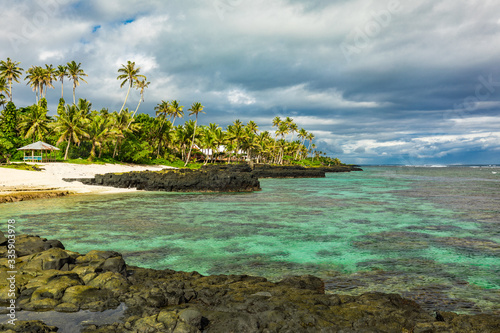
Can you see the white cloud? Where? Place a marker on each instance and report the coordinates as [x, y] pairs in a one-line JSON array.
[[239, 97]]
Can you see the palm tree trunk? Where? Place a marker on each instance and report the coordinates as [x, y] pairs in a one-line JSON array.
[[62, 88], [92, 152], [10, 89], [126, 97], [192, 142], [133, 114], [74, 88], [67, 149]]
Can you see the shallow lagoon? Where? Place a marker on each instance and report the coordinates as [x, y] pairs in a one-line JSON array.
[[430, 234]]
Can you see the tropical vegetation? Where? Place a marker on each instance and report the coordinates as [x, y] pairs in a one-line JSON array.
[[127, 136]]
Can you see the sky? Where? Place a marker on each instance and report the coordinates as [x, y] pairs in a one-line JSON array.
[[377, 82]]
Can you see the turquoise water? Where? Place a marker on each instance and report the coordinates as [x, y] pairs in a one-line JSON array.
[[431, 234]]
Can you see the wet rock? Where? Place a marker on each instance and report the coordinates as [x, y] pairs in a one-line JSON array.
[[30, 326], [3, 239], [67, 307], [80, 295], [308, 282], [56, 287], [170, 301], [54, 258], [111, 281], [102, 261], [27, 244]]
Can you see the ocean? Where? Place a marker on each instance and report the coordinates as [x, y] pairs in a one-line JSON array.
[[431, 234]]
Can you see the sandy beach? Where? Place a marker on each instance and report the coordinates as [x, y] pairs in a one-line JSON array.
[[51, 177]]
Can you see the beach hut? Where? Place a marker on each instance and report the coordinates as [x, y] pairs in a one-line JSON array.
[[40, 152]]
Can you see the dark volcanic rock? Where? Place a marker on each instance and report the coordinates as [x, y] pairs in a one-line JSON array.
[[210, 178], [341, 168], [170, 301], [286, 171], [297, 171]]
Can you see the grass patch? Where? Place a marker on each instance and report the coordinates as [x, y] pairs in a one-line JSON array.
[[22, 166], [95, 161]]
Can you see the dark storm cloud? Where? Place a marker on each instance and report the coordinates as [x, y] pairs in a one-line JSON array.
[[375, 81]]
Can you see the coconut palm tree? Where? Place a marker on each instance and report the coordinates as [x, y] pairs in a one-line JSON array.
[[98, 131], [236, 133], [35, 124], [282, 130], [310, 137], [302, 136], [175, 111], [196, 108], [140, 85], [3, 89], [48, 76], [121, 127], [276, 123], [34, 75], [70, 124], [10, 71], [162, 110], [252, 127], [76, 74], [61, 72], [129, 73]]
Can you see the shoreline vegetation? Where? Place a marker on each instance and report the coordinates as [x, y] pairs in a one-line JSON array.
[[51, 278], [126, 136], [23, 181]]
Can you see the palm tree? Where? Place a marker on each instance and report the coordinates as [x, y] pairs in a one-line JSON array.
[[70, 124], [140, 85], [35, 124], [310, 137], [3, 89], [98, 131], [282, 130], [35, 80], [302, 136], [252, 127], [276, 123], [236, 133], [162, 110], [195, 109], [61, 72], [175, 111], [129, 74], [121, 127], [48, 75], [76, 74], [10, 71]]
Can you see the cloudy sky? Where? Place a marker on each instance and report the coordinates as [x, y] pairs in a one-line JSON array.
[[377, 82]]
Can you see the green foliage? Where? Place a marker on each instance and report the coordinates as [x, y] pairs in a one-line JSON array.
[[22, 166]]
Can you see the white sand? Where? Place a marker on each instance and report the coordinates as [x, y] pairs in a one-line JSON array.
[[51, 178]]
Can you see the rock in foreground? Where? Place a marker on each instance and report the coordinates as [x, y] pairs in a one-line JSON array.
[[52, 278], [225, 178]]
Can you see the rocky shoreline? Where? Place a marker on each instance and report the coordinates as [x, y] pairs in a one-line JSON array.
[[51, 278], [31, 195], [297, 171], [226, 178], [210, 178]]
